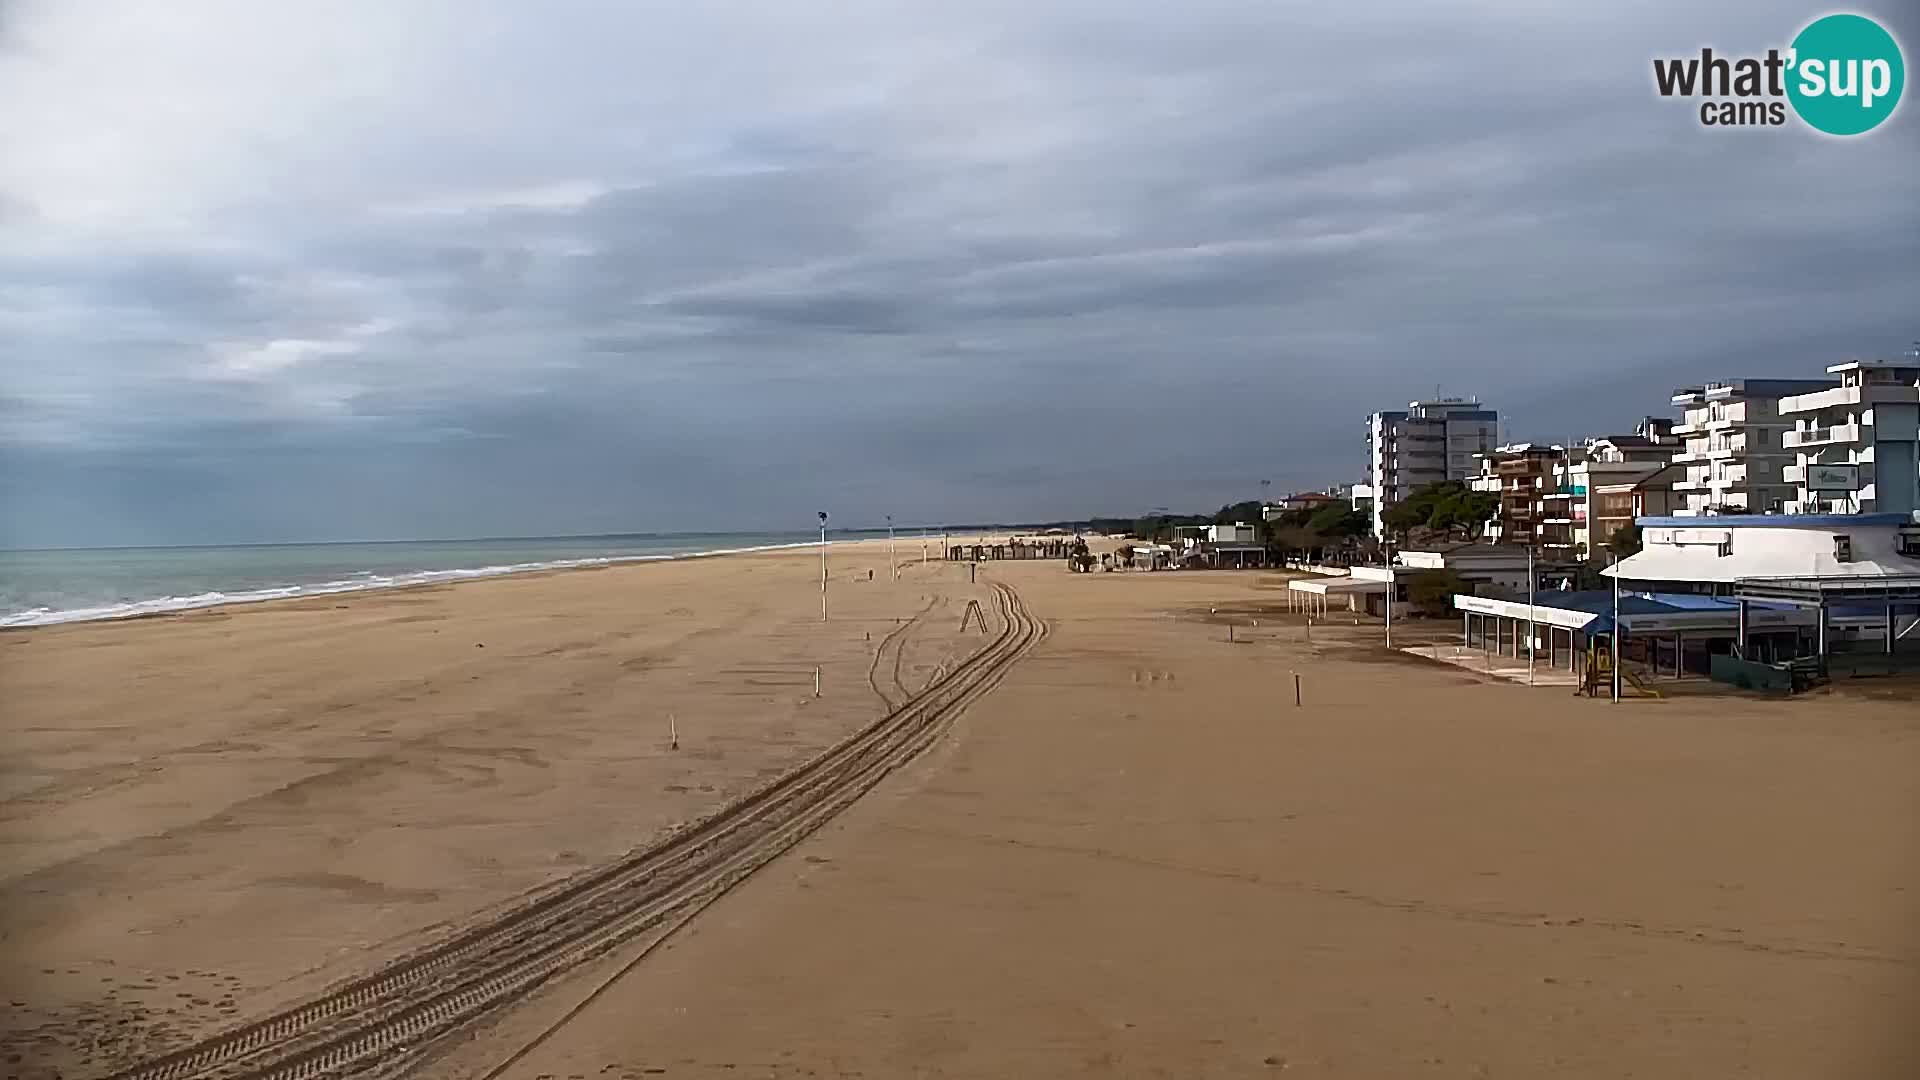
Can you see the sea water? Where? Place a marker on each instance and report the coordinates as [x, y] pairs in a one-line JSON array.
[[41, 587]]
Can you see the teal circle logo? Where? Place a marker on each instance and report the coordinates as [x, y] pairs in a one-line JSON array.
[[1845, 74]]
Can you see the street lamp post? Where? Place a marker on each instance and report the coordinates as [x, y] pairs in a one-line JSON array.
[[1393, 585], [893, 564], [1615, 644], [823, 566], [1531, 632]]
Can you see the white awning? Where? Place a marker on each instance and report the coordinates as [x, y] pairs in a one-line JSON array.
[[1336, 585]]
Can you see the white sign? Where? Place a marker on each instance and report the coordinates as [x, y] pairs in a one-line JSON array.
[[1689, 537], [1833, 477]]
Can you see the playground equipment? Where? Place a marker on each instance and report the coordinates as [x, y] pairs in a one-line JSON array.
[[1596, 680]]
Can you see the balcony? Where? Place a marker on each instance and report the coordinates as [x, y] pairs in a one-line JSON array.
[[1841, 396], [1821, 436]]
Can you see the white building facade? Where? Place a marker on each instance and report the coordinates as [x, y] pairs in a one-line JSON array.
[[1427, 443], [1731, 443], [1856, 446]]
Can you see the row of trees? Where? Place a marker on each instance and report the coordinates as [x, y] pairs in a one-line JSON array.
[[1449, 508], [1335, 532]]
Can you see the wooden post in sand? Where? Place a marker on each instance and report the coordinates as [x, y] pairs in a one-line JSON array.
[[816, 682], [1296, 689], [673, 732]]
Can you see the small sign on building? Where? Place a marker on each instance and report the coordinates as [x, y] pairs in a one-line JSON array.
[[1833, 477]]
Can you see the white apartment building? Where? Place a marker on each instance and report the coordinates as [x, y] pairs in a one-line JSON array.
[[1429, 442], [1731, 446], [1856, 446]]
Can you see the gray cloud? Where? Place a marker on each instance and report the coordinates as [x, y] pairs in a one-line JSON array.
[[340, 273]]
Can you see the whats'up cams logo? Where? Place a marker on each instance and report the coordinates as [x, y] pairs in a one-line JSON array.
[[1842, 75]]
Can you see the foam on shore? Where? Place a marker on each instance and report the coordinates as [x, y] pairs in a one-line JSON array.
[[363, 582]]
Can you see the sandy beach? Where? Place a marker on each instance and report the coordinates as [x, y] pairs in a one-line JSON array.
[[1131, 855]]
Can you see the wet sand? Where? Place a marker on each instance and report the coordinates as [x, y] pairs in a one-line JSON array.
[[1134, 857]]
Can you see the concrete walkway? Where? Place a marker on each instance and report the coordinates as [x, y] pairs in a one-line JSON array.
[[1502, 667]]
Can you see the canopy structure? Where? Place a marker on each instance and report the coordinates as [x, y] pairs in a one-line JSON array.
[[1815, 591], [1883, 599], [1316, 594]]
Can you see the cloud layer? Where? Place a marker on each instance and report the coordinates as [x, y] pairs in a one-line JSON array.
[[369, 269]]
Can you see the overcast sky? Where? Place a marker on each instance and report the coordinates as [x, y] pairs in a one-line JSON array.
[[396, 268]]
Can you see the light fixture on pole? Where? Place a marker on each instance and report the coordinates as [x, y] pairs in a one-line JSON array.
[[823, 566]]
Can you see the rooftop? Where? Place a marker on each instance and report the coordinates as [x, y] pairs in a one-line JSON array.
[[1591, 610], [1725, 388], [1776, 521]]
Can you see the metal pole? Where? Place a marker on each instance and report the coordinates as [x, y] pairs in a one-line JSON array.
[[1616, 630], [893, 565], [1530, 630], [823, 566], [1740, 632], [1390, 588], [1889, 649]]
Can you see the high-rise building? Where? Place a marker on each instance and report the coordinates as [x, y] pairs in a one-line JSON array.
[[1856, 446], [1730, 442], [1429, 442]]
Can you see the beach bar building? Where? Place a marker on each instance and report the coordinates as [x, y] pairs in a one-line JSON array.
[[1672, 634], [1748, 588], [1857, 575], [1484, 568]]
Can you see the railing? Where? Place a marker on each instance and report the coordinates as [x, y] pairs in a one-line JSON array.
[[1810, 436]]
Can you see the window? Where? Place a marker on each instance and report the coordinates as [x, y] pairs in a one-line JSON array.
[[1907, 542], [1842, 547]]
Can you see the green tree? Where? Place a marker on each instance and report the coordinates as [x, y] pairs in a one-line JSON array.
[[1432, 591], [1403, 517], [1240, 513], [1337, 520], [1625, 540]]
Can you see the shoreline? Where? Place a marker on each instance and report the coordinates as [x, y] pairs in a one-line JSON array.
[[159, 607]]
